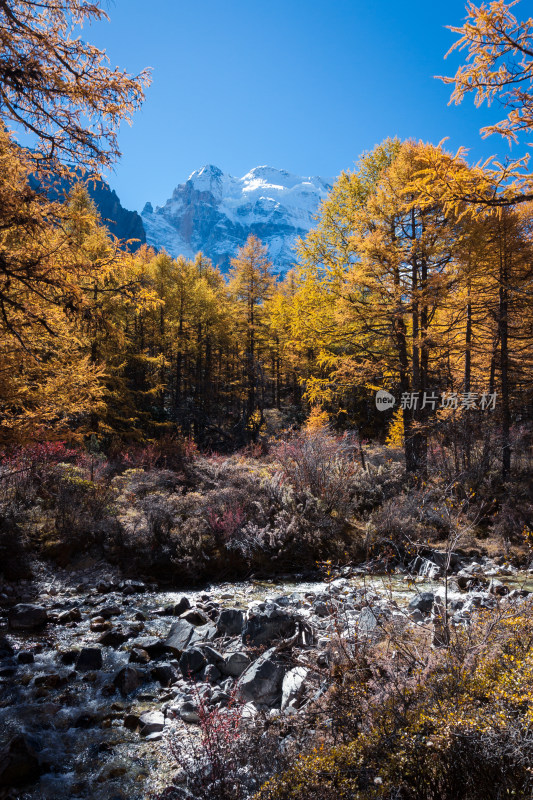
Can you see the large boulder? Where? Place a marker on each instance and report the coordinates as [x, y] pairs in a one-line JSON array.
[[27, 617], [230, 621], [261, 682], [179, 636], [267, 626]]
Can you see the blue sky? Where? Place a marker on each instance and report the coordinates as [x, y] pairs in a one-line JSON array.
[[303, 86]]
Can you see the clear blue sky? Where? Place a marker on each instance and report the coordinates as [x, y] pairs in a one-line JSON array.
[[303, 86]]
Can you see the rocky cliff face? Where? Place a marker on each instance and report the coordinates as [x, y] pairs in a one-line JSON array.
[[122, 223], [215, 213]]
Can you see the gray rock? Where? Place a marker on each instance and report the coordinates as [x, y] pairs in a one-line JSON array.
[[293, 686], [139, 656], [230, 621], [479, 600], [191, 661], [368, 621], [320, 608], [27, 617], [204, 633], [181, 606], [212, 674], [235, 664], [422, 602], [265, 627], [212, 655], [110, 610], [152, 645], [151, 722], [72, 615], [113, 638], [261, 682], [165, 674], [195, 617], [189, 712], [220, 698], [179, 636], [127, 680]]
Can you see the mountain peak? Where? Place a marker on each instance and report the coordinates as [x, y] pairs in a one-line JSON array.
[[206, 173], [215, 212], [206, 179]]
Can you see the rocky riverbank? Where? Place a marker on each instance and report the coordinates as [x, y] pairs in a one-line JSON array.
[[98, 674]]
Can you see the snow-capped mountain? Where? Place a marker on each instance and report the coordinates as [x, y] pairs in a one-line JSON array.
[[215, 212]]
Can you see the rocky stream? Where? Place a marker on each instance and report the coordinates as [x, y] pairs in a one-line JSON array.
[[98, 674]]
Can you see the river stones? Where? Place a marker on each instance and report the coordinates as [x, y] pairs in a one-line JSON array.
[[113, 638], [180, 607], [195, 617], [165, 674], [152, 645], [6, 649]]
